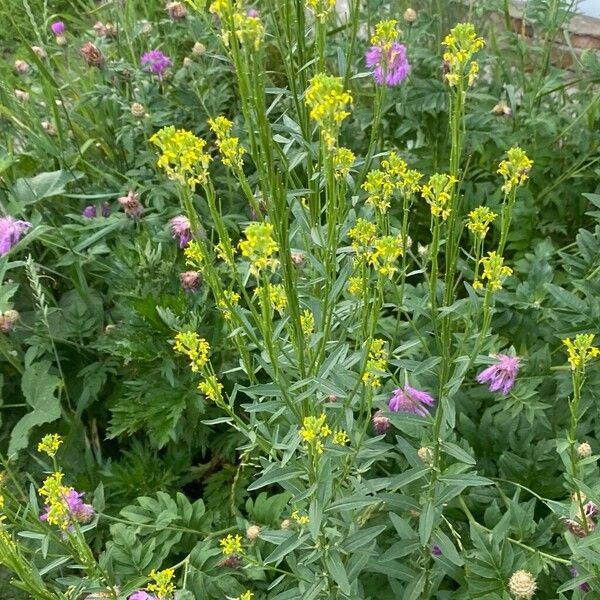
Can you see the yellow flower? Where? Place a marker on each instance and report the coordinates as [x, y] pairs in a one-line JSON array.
[[380, 188], [183, 157], [343, 159], [362, 236], [307, 322], [376, 363], [479, 221], [277, 297], [259, 246], [386, 33], [229, 299], [386, 251], [493, 270], [300, 519], [54, 493], [231, 544], [162, 583], [212, 388], [314, 430], [321, 8], [194, 347], [247, 595], [328, 101], [438, 194], [515, 170], [229, 147], [341, 438], [194, 256], [49, 444], [249, 29], [461, 44], [355, 286], [581, 351], [218, 7]]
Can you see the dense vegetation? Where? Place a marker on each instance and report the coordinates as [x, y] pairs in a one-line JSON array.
[[298, 300]]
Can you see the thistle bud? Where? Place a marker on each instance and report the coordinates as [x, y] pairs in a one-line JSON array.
[[522, 584], [21, 95], [187, 62], [39, 52], [190, 281], [381, 424], [410, 16], [48, 127], [92, 55], [425, 454], [107, 30], [584, 450], [199, 49], [131, 205], [22, 67], [176, 10], [137, 110], [298, 258], [286, 524], [502, 109], [252, 532], [8, 320]]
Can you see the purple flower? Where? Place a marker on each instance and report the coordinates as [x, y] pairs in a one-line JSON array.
[[502, 375], [58, 28], [156, 62], [180, 226], [11, 231], [79, 510], [89, 212], [252, 12], [410, 400], [585, 586], [391, 66], [141, 595], [436, 550]]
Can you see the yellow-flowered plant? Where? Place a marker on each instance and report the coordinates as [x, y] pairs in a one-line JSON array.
[[49, 444], [321, 8], [581, 350], [54, 494], [276, 295], [343, 159], [355, 285], [385, 253], [380, 189], [386, 33], [183, 157], [328, 102], [247, 595], [212, 388], [515, 169], [194, 256], [479, 221], [231, 544], [220, 7], [314, 430], [232, 154], [161, 583], [438, 194], [362, 236], [307, 322], [249, 29], [341, 438], [494, 271], [461, 44], [194, 347], [229, 299], [376, 363], [259, 247], [300, 519]]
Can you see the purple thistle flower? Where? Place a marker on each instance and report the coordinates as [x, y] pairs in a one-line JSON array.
[[79, 510], [181, 228], [391, 66], [141, 595], [585, 586], [411, 400], [253, 13], [89, 212], [11, 231], [502, 375], [58, 28], [156, 62], [436, 550]]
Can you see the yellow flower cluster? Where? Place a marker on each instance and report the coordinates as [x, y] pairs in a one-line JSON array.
[[54, 494], [438, 194], [515, 170], [462, 43], [328, 101], [341, 438], [219, 7], [376, 363], [276, 295], [494, 271], [582, 350], [249, 29], [300, 519], [194, 347], [162, 583], [247, 595], [343, 159], [386, 33], [212, 388], [307, 322], [362, 235], [386, 251], [259, 246], [194, 257], [321, 8], [183, 157], [231, 544], [232, 154], [229, 299], [479, 221], [394, 175], [49, 444], [314, 431]]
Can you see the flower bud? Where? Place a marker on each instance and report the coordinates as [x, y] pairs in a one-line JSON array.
[[107, 30], [425, 454], [199, 49], [8, 320], [381, 424], [190, 281], [39, 52], [48, 127], [584, 450], [286, 524], [92, 55], [252, 532], [522, 584], [502, 109], [137, 110], [176, 10], [298, 258], [410, 16], [131, 205], [22, 67], [21, 95], [187, 62]]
